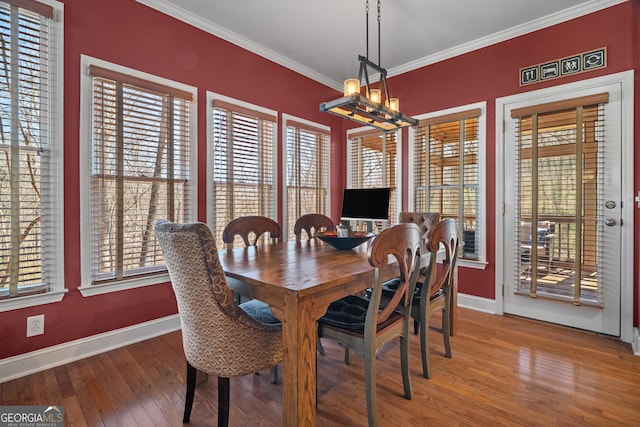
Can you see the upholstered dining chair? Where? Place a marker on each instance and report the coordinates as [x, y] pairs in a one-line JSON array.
[[362, 326], [219, 337], [250, 229], [423, 219], [312, 223]]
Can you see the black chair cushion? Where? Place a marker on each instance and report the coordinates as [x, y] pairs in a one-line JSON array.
[[260, 311], [389, 288], [347, 313]]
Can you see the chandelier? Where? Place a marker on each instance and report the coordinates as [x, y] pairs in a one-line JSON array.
[[375, 107]]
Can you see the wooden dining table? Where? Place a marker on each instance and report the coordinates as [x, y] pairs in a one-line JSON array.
[[299, 280]]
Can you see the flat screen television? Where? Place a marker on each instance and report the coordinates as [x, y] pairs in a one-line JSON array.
[[366, 204]]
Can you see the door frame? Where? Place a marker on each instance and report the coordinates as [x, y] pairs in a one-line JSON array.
[[625, 79]]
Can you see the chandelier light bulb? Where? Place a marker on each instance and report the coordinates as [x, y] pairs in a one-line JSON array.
[[375, 96], [351, 87]]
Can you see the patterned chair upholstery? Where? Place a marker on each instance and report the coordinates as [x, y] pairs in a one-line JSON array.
[[423, 219], [219, 337]]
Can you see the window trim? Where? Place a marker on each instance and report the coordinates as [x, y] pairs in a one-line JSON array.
[[211, 98], [286, 120], [353, 133], [86, 288], [482, 262], [56, 132]]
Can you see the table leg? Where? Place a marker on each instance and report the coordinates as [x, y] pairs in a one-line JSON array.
[[300, 330]]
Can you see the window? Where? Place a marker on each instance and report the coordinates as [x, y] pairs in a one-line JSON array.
[[31, 224], [307, 176], [141, 139], [447, 157], [372, 162], [242, 163]]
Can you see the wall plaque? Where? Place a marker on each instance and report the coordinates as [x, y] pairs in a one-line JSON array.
[[569, 65]]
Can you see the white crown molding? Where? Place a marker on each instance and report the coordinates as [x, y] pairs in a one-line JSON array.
[[537, 24], [510, 33], [243, 42], [50, 357]]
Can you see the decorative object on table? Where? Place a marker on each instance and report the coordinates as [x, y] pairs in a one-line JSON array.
[[362, 326], [376, 108], [219, 337], [344, 228], [354, 239]]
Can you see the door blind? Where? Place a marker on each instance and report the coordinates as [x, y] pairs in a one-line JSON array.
[[559, 157]]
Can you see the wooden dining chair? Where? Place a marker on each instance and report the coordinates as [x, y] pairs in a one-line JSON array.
[[219, 337], [436, 290], [312, 223], [359, 323], [424, 220], [251, 229]]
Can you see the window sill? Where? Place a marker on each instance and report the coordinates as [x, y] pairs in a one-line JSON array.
[[31, 300], [123, 285], [478, 265]]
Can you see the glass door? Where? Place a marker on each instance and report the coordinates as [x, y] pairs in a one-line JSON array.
[[562, 212]]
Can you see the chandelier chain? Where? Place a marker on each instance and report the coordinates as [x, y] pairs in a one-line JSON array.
[[379, 58], [366, 23]]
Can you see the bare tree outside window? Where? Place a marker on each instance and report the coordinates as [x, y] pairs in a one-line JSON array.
[[23, 147], [140, 167]]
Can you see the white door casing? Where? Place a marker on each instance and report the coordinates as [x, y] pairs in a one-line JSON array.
[[616, 316]]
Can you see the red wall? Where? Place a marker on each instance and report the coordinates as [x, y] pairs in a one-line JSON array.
[[493, 72], [133, 35]]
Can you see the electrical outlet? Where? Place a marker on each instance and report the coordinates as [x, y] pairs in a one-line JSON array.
[[35, 325]]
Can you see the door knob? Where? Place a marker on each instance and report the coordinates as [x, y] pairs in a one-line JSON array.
[[610, 222]]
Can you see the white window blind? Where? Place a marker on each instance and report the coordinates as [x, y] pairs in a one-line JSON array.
[[243, 164], [446, 173], [31, 152], [140, 171], [374, 164], [307, 157]]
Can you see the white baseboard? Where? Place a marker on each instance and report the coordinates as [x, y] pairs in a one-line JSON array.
[[50, 357], [485, 305]]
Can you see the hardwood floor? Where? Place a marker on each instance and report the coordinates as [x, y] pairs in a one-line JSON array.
[[505, 371]]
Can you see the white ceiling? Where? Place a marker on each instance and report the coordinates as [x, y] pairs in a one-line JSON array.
[[322, 39]]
